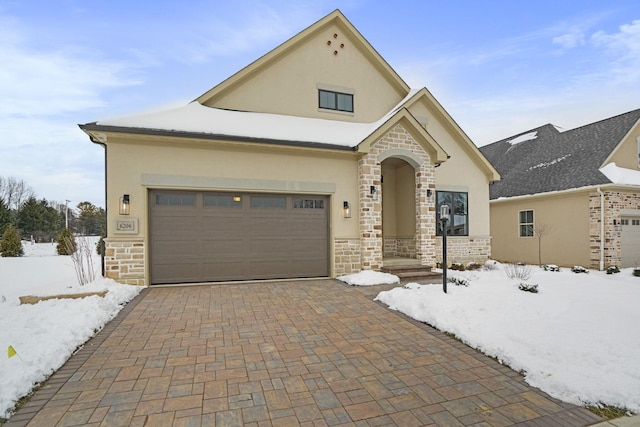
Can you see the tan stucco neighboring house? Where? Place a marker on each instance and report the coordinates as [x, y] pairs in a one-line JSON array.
[[315, 160], [569, 197]]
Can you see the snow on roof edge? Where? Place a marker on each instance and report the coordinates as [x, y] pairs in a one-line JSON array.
[[621, 176], [197, 118]]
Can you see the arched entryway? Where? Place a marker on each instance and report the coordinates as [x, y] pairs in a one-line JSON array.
[[398, 211]]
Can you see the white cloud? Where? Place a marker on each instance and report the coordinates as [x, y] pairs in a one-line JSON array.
[[571, 39]]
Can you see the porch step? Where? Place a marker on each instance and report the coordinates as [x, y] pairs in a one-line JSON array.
[[415, 272]]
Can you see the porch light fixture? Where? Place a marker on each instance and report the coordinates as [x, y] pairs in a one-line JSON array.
[[125, 206], [429, 192], [237, 199], [374, 192], [346, 209]]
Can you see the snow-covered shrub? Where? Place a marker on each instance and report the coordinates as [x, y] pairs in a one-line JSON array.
[[10, 245], [579, 269], [551, 267], [613, 269], [490, 265], [528, 288], [458, 266], [518, 271], [636, 271], [473, 266], [458, 281]]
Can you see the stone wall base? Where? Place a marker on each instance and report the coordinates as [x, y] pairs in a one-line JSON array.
[[124, 260], [404, 247], [347, 256], [465, 250]]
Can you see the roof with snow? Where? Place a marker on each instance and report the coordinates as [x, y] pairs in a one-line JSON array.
[[545, 159], [195, 119]]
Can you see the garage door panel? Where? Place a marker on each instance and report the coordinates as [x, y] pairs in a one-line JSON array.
[[227, 248], [221, 237], [630, 241]]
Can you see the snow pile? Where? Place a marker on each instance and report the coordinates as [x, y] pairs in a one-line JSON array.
[[618, 175], [576, 339], [44, 335], [522, 138], [369, 278]]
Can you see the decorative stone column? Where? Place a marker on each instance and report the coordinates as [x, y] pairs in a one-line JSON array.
[[369, 173]]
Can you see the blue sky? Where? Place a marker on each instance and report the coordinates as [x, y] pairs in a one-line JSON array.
[[498, 67]]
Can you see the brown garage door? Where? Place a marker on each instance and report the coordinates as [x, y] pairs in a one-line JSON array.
[[215, 236]]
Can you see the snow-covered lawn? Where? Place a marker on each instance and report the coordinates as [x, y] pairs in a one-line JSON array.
[[44, 335], [577, 338]]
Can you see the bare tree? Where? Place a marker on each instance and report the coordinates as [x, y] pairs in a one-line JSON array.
[[541, 229], [14, 192]]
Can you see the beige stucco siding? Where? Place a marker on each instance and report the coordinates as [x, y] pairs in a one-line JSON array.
[[627, 154], [132, 167], [565, 241], [290, 84]]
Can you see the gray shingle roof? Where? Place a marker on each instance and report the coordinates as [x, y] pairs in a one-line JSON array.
[[556, 160]]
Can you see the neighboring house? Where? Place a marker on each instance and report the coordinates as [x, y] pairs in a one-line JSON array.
[[315, 160], [576, 193]]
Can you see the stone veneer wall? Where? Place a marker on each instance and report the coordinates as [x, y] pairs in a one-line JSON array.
[[400, 247], [465, 249], [124, 260], [614, 203], [347, 256], [369, 172]]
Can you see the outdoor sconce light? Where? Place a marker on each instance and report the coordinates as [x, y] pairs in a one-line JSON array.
[[125, 206], [429, 192], [346, 208], [374, 192]]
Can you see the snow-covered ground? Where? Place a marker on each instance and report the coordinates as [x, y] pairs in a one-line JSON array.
[[577, 338], [44, 335]]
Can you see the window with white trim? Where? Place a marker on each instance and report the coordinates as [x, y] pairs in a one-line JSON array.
[[525, 222]]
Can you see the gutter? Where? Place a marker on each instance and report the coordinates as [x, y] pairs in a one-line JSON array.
[[601, 228]]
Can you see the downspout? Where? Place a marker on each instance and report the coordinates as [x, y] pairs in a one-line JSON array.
[[106, 213], [601, 228]]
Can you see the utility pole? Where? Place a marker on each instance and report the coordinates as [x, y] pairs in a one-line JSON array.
[[66, 213]]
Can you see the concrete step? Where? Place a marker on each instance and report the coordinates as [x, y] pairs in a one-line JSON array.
[[413, 272]]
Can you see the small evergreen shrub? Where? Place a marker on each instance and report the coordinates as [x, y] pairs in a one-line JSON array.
[[636, 272], [613, 269], [458, 281], [66, 243], [11, 245], [579, 269], [474, 266], [100, 245], [457, 266], [551, 267], [528, 288]]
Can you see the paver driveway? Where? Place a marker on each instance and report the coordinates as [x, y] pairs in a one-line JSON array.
[[311, 353]]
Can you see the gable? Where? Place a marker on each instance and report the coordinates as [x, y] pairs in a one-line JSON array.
[[441, 126], [331, 54], [627, 153]]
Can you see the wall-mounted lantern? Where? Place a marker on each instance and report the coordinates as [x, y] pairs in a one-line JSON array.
[[346, 209], [125, 206], [429, 192], [374, 192]]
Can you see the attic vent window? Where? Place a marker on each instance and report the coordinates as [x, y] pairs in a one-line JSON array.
[[335, 100]]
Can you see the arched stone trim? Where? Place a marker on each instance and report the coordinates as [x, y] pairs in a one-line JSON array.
[[400, 153]]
